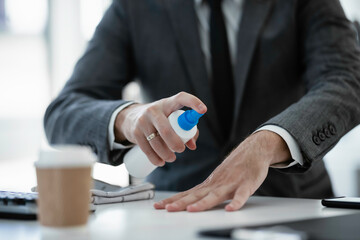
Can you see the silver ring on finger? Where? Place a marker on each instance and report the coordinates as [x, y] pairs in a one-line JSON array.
[[152, 136]]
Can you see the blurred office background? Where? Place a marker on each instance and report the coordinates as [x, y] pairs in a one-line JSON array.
[[40, 41]]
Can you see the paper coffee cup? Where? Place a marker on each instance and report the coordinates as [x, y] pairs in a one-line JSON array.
[[64, 182]]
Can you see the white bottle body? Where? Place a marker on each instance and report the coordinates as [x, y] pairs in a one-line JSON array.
[[137, 163]]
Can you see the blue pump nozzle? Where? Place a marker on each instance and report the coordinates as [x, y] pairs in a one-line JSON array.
[[188, 119]]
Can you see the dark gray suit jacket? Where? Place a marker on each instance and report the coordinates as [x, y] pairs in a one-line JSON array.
[[297, 67]]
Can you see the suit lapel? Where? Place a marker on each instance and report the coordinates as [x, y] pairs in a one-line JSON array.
[[255, 13], [184, 23]]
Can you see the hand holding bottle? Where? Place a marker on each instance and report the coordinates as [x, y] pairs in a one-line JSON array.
[[182, 122], [140, 122]]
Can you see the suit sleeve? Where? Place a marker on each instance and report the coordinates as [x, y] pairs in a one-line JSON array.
[[331, 73], [82, 111]]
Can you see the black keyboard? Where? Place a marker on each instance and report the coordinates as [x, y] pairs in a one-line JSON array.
[[18, 205]]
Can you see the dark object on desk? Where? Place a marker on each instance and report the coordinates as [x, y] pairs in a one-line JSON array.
[[331, 228], [18, 205], [342, 202]]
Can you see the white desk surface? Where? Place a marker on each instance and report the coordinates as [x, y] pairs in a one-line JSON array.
[[139, 220]]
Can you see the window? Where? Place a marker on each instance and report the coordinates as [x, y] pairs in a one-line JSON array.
[[23, 77], [40, 41]]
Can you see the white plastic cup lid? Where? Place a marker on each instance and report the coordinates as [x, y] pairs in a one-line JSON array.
[[65, 156]]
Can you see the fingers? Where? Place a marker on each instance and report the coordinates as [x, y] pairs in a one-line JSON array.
[[236, 178], [203, 199], [161, 204], [183, 99], [172, 140], [210, 201], [144, 120], [196, 199], [181, 204], [200, 200], [148, 150], [191, 144], [238, 201], [157, 149], [169, 142], [162, 150]]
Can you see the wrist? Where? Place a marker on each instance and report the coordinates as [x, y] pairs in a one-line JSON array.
[[273, 146], [119, 129]]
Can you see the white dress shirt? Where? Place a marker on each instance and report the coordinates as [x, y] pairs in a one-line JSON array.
[[232, 10]]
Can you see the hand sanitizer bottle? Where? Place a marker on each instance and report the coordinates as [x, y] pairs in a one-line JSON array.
[[184, 124]]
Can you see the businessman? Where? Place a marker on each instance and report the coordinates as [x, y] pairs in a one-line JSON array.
[[279, 81]]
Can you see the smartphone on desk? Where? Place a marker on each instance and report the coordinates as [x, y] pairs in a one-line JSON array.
[[342, 202]]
